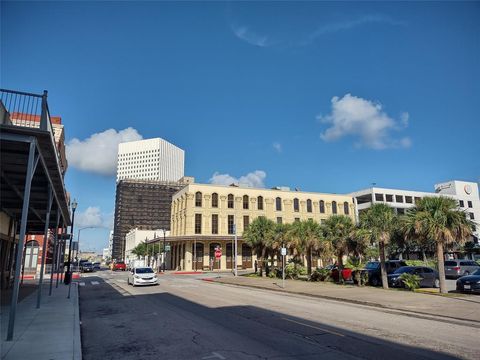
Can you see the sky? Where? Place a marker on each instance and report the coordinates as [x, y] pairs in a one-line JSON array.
[[322, 96]]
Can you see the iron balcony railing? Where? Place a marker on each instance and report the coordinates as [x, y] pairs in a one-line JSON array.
[[28, 110]]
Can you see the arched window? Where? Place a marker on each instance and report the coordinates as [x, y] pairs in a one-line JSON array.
[[309, 205], [334, 207], [245, 202], [260, 203], [322, 207], [230, 201], [198, 199], [215, 200], [296, 205], [278, 204], [345, 208]]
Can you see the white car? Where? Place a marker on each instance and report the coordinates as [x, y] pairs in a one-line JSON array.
[[142, 276]]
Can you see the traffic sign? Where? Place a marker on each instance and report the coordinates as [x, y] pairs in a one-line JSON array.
[[284, 251], [218, 252], [167, 247]]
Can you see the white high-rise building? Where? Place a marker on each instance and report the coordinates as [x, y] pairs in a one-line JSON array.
[[151, 159]]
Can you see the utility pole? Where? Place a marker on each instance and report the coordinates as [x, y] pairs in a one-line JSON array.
[[68, 275], [235, 249]]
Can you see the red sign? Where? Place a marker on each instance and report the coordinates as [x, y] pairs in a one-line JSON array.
[[218, 253]]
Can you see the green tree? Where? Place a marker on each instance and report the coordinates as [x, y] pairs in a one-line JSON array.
[[258, 236], [338, 230], [305, 238], [438, 219], [381, 221]]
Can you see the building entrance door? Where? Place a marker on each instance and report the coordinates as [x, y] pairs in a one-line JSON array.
[[229, 256], [31, 256], [197, 256], [246, 257]]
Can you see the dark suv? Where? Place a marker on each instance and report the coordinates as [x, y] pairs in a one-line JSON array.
[[375, 274]]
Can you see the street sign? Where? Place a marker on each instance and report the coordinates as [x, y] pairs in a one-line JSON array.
[[167, 247], [218, 253], [284, 251]]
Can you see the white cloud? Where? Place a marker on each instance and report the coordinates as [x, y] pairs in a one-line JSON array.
[[244, 33], [277, 146], [253, 179], [98, 153], [93, 216], [365, 120]]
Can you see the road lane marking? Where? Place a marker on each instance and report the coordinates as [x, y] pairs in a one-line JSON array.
[[94, 282], [81, 283], [315, 327], [215, 355]]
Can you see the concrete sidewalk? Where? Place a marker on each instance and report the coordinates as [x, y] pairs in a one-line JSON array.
[[49, 333], [460, 307]]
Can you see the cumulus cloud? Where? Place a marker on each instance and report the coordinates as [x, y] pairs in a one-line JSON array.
[[244, 33], [253, 179], [98, 153], [277, 146], [365, 120], [93, 216]]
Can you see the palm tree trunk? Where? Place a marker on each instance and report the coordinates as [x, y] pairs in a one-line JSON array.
[[441, 268], [340, 267], [309, 261], [383, 269], [262, 261]]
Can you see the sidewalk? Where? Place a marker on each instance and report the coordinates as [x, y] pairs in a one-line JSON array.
[[460, 307], [49, 333]]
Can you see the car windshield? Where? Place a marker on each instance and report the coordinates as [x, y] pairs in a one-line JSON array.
[[87, 264], [476, 272], [403, 269], [143, 270], [372, 265]]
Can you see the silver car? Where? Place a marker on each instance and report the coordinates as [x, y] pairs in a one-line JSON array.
[[142, 276], [457, 268]]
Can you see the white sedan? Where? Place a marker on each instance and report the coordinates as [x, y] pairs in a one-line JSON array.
[[142, 276]]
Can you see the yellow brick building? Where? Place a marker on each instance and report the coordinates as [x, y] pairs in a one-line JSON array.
[[204, 215]]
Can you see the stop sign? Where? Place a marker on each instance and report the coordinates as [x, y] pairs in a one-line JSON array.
[[218, 253]]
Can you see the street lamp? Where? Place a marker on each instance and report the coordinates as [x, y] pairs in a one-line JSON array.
[[78, 241], [68, 275], [164, 251]]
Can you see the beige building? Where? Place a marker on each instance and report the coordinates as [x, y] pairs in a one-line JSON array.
[[204, 216]]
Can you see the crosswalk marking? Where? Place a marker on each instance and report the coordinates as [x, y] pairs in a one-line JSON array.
[[81, 284], [95, 282]]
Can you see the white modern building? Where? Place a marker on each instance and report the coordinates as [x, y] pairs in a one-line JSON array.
[[465, 193], [106, 254], [137, 236], [151, 159]]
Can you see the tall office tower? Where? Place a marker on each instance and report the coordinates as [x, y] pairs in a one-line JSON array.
[[151, 159]]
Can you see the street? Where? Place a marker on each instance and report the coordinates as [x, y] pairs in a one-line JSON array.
[[186, 318]]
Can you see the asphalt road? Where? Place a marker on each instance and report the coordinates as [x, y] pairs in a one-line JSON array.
[[186, 318]]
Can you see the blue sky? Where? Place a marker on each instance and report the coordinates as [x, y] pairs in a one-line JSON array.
[[322, 96]]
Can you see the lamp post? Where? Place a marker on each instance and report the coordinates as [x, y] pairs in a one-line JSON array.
[[164, 250], [78, 241], [68, 275]]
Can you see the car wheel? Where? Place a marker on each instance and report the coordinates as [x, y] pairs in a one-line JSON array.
[[436, 283], [375, 281]]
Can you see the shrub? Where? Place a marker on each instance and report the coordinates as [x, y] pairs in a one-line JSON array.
[[411, 281], [292, 271], [320, 275]]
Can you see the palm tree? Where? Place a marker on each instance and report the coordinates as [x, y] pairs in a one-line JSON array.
[[312, 240], [338, 230], [381, 220], [438, 219], [258, 235], [359, 242], [279, 239]]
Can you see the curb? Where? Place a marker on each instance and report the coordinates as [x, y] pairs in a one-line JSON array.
[[357, 302], [77, 345]]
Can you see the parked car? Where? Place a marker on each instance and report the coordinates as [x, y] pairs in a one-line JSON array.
[[86, 267], [429, 276], [469, 283], [96, 266], [460, 267], [142, 276], [374, 271], [119, 265], [346, 274]]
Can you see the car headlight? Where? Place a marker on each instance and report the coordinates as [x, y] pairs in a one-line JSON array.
[[137, 277]]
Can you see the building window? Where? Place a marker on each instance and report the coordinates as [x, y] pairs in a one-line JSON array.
[[462, 204], [322, 207], [334, 207], [279, 220], [245, 202], [215, 200], [198, 199], [346, 210], [389, 198], [260, 203], [230, 201], [309, 205], [296, 205], [378, 197], [214, 224], [230, 224], [198, 223], [278, 204], [408, 199], [472, 216], [399, 198], [297, 219], [470, 205], [246, 222]]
